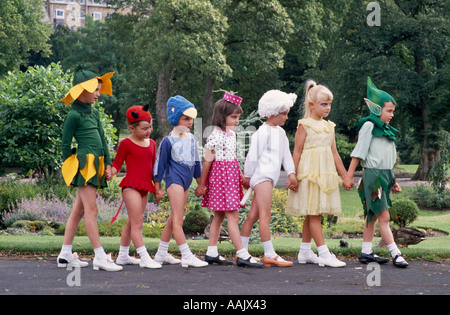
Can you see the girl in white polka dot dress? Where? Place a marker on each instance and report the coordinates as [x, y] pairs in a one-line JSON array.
[[221, 181]]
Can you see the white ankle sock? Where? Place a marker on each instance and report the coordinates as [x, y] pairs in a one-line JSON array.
[[100, 253], [323, 251], [243, 253], [124, 251], [393, 249], [185, 251], [212, 251], [305, 247], [66, 250], [366, 248], [143, 254], [244, 240], [268, 249], [163, 248]]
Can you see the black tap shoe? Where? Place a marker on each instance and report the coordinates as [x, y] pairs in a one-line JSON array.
[[248, 263], [218, 260], [400, 264], [368, 258]]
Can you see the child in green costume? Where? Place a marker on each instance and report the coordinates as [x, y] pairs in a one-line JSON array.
[[376, 151], [84, 167]]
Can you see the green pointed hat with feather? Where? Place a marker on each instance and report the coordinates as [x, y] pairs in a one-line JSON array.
[[375, 100]]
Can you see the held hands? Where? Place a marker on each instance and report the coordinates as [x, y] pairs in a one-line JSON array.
[[348, 182], [292, 182], [200, 190], [109, 172], [246, 182], [159, 194]]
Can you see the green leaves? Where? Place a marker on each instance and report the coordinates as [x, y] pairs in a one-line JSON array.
[[21, 30]]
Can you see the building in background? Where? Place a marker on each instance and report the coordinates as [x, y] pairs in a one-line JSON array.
[[72, 13]]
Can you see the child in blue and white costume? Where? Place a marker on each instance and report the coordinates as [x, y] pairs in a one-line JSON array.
[[177, 162]]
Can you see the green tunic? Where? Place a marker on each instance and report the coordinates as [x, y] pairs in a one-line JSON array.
[[378, 156], [92, 154]]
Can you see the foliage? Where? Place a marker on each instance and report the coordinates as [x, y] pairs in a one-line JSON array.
[[344, 148], [156, 215], [195, 221], [53, 209], [255, 46], [438, 172], [21, 31], [428, 197], [39, 208], [13, 190], [407, 55], [180, 42], [32, 118], [404, 212], [280, 222]]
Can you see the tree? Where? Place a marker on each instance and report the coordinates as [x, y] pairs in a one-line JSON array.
[[255, 46], [181, 37], [21, 31], [406, 55], [197, 47]]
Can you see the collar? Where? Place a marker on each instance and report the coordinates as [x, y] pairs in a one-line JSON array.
[[81, 107], [380, 128]]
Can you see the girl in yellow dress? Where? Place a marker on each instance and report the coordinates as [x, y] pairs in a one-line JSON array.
[[316, 160]]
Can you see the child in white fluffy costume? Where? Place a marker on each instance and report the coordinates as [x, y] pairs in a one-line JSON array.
[[268, 151]]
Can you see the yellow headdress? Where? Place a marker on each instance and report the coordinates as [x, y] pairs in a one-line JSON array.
[[88, 80]]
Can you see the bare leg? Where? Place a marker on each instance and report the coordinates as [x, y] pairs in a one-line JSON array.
[[85, 205], [135, 207], [214, 230], [178, 198], [315, 227]]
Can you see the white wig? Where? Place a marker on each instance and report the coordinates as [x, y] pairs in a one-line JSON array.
[[274, 102]]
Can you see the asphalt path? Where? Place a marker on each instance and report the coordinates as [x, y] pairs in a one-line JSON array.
[[31, 276]]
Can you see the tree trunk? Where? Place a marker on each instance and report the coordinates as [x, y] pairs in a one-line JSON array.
[[207, 105], [428, 152], [428, 156], [161, 103]]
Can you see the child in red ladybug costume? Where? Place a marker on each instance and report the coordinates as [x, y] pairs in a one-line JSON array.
[[138, 152]]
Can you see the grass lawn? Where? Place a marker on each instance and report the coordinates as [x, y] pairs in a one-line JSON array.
[[412, 168]]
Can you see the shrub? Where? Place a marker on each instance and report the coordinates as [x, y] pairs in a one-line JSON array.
[[196, 221], [156, 216], [428, 197], [39, 208], [345, 148], [404, 212], [439, 170], [280, 222], [51, 208]]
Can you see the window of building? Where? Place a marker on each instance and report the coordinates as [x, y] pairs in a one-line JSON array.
[[59, 14], [96, 16]]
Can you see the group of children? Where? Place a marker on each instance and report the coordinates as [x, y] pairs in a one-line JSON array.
[[312, 170]]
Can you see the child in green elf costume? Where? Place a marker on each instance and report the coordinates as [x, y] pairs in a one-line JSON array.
[[376, 152], [86, 167]]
